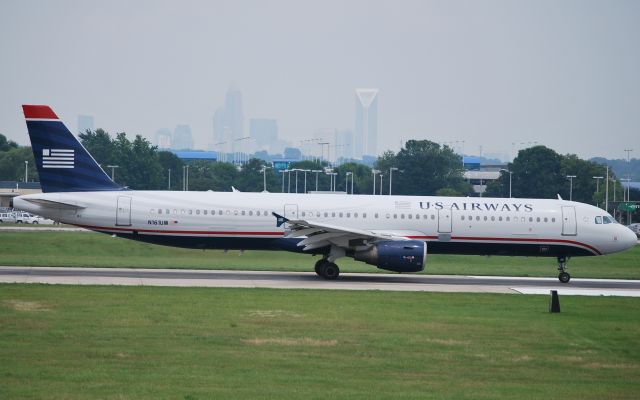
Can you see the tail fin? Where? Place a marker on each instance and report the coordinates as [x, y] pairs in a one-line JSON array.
[[64, 165]]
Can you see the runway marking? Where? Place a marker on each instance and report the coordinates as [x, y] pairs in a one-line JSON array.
[[579, 292]]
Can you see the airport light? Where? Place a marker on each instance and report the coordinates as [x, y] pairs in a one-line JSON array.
[[510, 175], [283, 172], [322, 150], [264, 178], [346, 182], [374, 172], [391, 178], [570, 177], [305, 178], [113, 167], [597, 178], [169, 185], [316, 171], [26, 169], [628, 172], [381, 175]]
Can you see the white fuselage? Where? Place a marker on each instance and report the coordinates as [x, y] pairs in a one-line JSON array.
[[240, 220]]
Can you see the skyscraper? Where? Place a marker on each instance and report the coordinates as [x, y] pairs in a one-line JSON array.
[[182, 139], [264, 131], [344, 144], [163, 139], [366, 137], [234, 116], [85, 122]]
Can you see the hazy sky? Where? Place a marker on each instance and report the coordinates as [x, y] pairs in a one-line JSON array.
[[563, 73]]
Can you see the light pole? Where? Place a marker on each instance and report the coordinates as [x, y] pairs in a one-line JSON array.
[[597, 178], [296, 179], [113, 167], [374, 172], [222, 153], [26, 169], [169, 186], [316, 171], [381, 175], [628, 173], [305, 179], [322, 151], [510, 175], [352, 183], [264, 178], [346, 181], [335, 179], [283, 172], [570, 177], [391, 178]]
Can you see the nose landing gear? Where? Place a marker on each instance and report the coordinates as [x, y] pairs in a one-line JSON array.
[[327, 269], [563, 276]]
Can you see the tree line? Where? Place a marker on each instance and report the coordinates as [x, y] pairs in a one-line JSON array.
[[421, 167]]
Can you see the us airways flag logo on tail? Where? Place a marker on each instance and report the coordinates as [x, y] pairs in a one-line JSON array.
[[58, 158], [64, 165]]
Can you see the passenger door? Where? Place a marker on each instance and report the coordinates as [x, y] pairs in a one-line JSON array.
[[444, 220], [123, 211], [569, 223]]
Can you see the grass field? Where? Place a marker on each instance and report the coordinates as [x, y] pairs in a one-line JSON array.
[[69, 342], [98, 250]]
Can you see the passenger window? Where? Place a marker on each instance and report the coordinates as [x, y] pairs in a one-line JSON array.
[[462, 217], [318, 214], [522, 219], [401, 216], [538, 219], [197, 212], [395, 216], [348, 215], [546, 219], [493, 218], [364, 215], [553, 220], [508, 219], [219, 212], [228, 212], [326, 214], [355, 215], [182, 211], [152, 211], [235, 212], [333, 215], [190, 212], [410, 216], [477, 218], [388, 216], [375, 215], [500, 219], [250, 213], [598, 220], [433, 216], [485, 217], [530, 219], [159, 211], [340, 215]]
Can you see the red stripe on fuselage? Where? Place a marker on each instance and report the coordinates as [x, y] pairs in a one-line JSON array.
[[233, 233], [515, 240], [39, 112]]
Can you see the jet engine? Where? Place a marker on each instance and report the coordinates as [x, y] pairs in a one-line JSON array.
[[398, 256]]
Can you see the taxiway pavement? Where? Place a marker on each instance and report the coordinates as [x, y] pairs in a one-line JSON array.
[[309, 280]]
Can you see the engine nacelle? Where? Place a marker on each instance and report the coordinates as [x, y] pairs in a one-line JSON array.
[[398, 256]]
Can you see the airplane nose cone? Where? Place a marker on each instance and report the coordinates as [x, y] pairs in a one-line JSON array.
[[630, 239]]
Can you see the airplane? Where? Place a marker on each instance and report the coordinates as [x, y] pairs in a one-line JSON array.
[[393, 233]]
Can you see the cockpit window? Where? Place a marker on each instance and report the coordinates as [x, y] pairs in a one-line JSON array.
[[607, 220], [598, 220]]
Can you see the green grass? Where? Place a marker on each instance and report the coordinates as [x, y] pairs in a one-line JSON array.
[[68, 342], [77, 249]]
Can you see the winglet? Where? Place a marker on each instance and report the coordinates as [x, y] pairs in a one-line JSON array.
[[559, 198], [280, 219]]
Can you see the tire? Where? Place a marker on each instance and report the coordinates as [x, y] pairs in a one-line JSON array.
[[564, 277], [331, 271], [319, 267], [18, 222], [35, 222]]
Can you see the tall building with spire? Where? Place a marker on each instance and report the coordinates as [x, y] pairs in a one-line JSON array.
[[366, 133]]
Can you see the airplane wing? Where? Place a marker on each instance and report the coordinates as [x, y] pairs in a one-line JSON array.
[[319, 234]]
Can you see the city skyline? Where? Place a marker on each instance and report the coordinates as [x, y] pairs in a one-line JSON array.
[[489, 73]]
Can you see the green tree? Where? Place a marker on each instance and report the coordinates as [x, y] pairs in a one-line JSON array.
[[6, 145], [170, 162], [537, 173], [423, 168], [12, 164]]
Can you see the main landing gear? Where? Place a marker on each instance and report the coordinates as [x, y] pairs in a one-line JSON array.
[[563, 276], [327, 269]]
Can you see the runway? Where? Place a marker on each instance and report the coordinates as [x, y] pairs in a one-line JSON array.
[[309, 280]]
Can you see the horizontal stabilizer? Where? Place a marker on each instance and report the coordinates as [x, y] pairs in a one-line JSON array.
[[54, 204]]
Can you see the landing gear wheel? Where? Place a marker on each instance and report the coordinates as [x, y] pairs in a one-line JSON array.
[[564, 276], [330, 271], [319, 266]]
